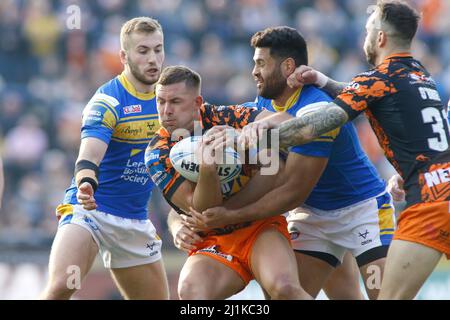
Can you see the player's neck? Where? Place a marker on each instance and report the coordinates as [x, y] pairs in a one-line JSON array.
[[287, 98], [138, 85], [392, 52]]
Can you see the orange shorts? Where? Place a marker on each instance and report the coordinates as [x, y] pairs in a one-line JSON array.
[[427, 224], [234, 249]]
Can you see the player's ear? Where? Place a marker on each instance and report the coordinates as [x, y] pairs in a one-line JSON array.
[[123, 56], [198, 101], [288, 67], [381, 39]]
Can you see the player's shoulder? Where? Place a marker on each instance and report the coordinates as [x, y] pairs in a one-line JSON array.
[[262, 103], [160, 140], [109, 94], [380, 72], [312, 94], [158, 147]]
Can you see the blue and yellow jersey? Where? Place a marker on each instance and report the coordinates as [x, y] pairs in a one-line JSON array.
[[126, 120], [349, 176]]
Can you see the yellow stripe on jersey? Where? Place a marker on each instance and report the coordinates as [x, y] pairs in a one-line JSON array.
[[323, 140], [131, 141], [289, 103], [109, 119], [110, 107], [138, 117], [132, 90], [329, 136], [107, 100], [135, 130]]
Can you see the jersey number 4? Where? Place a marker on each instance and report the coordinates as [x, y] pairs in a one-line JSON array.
[[433, 116]]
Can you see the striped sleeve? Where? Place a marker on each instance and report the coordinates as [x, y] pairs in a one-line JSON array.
[[100, 117]]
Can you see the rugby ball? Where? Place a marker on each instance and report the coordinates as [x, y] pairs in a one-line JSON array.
[[183, 159]]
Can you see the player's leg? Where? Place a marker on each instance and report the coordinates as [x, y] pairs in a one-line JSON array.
[[420, 240], [369, 239], [316, 256], [143, 282], [206, 278], [131, 249], [72, 254], [314, 270], [408, 265], [372, 274], [273, 264], [343, 283]]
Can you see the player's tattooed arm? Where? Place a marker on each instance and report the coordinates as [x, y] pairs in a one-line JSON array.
[[333, 88], [311, 124]]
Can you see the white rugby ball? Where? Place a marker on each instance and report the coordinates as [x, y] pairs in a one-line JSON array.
[[183, 159]]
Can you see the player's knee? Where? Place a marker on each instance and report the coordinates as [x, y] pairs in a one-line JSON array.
[[392, 292], [284, 288], [58, 289], [188, 290]]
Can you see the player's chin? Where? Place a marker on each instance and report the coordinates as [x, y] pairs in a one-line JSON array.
[[152, 79]]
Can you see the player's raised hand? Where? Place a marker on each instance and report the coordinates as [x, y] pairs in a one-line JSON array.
[[185, 239], [395, 188], [85, 196], [301, 76]]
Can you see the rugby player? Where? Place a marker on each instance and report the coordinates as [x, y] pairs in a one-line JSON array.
[[105, 208], [227, 258], [402, 103], [338, 201]]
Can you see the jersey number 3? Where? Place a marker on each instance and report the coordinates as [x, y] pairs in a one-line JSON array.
[[433, 116]]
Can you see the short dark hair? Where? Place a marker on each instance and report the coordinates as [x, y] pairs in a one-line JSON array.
[[401, 16], [284, 42], [177, 74]]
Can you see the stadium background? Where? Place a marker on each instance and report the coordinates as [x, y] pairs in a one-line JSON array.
[[48, 72]]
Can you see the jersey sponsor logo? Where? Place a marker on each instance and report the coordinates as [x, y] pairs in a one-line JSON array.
[[435, 183], [213, 250], [353, 86], [151, 248], [295, 235], [367, 73], [135, 172], [136, 108], [93, 115], [437, 177], [160, 177], [152, 157], [421, 78]]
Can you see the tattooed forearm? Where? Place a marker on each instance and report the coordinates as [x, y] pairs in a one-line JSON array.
[[333, 88], [311, 125]]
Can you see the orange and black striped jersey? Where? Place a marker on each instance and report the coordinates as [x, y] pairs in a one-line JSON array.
[[405, 110], [157, 159]]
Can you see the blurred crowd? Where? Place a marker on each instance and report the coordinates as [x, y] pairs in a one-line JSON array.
[[48, 71]]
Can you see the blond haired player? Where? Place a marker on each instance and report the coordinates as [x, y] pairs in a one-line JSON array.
[[105, 208]]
